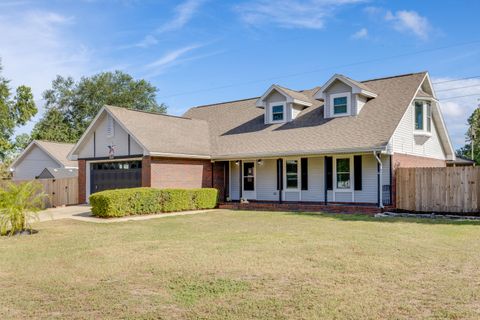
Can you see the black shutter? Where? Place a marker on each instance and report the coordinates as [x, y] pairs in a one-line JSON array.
[[329, 172], [279, 173], [304, 168], [357, 172]]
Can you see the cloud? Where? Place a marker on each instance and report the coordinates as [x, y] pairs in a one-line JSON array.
[[35, 46], [409, 22], [170, 57], [310, 14], [456, 111], [360, 34], [183, 14]]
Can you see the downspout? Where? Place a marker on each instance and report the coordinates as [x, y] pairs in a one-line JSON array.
[[379, 179]]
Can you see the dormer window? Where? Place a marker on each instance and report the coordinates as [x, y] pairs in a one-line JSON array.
[[423, 117], [277, 112], [340, 104]]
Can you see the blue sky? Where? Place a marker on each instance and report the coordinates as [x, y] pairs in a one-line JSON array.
[[204, 51]]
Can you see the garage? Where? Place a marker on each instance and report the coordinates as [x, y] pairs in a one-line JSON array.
[[115, 175]]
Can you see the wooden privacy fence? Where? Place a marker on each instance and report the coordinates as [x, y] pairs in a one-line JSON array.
[[451, 189], [60, 191]]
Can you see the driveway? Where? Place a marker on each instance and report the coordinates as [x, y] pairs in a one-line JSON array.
[[83, 213]]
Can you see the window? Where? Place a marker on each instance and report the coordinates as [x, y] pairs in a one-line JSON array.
[[418, 115], [423, 116], [343, 173], [340, 105], [429, 117], [248, 176], [291, 173], [277, 113]]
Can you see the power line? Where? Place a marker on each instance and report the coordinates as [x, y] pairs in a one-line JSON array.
[[467, 95], [455, 80], [456, 88], [318, 69]]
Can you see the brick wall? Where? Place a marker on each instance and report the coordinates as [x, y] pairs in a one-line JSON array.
[[220, 179], [146, 171], [82, 181], [180, 173]]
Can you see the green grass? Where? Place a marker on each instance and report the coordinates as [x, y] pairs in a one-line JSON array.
[[243, 265]]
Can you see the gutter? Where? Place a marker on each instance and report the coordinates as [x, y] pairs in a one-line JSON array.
[[379, 179]]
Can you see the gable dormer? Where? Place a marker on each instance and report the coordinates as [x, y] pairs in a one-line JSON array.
[[343, 96], [282, 104]]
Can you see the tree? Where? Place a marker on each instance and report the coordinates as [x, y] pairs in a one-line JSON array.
[[71, 106], [19, 205], [14, 111], [472, 138]]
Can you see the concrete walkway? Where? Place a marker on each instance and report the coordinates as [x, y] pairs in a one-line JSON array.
[[84, 213]]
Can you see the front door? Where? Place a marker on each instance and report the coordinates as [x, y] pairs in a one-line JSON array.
[[248, 183]]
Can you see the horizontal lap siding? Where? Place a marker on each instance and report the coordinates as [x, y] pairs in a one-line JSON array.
[[343, 197], [267, 180], [369, 181], [234, 181], [315, 190]]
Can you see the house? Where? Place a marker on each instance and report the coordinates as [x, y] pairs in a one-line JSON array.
[[58, 173], [39, 155], [338, 143]]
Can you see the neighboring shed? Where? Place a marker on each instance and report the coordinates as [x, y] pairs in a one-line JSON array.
[[460, 162], [39, 155], [58, 173]]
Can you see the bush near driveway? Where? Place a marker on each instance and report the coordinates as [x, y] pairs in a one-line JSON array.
[[135, 201]]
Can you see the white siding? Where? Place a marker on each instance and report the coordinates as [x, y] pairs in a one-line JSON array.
[[33, 164], [404, 141], [267, 180], [234, 181], [102, 141], [267, 186], [316, 171]]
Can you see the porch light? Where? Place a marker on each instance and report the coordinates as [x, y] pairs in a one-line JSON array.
[[260, 162], [237, 162]]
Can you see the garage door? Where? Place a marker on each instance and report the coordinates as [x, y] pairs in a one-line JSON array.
[[115, 175]]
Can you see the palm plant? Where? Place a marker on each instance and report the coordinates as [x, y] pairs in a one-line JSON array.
[[19, 205]]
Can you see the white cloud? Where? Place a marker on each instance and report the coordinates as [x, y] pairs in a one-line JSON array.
[[456, 111], [184, 13], [171, 57], [360, 34], [410, 22], [310, 14], [35, 47]]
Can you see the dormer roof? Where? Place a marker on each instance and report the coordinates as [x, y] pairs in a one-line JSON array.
[[357, 87], [293, 96]]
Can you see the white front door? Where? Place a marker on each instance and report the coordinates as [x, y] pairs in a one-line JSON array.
[[248, 180]]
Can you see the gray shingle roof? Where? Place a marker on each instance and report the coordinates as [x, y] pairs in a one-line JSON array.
[[165, 134], [59, 151], [237, 128], [58, 173]]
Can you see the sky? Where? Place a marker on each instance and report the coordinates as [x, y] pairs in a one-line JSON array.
[[199, 52]]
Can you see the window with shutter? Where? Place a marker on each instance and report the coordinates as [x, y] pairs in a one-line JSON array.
[[304, 174], [357, 172]]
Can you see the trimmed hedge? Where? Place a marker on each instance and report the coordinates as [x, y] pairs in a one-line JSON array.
[[136, 201]]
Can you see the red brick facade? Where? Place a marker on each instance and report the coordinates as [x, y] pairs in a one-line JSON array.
[[146, 171], [82, 183], [180, 173], [303, 206]]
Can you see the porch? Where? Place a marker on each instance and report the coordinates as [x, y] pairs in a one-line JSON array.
[[350, 208]]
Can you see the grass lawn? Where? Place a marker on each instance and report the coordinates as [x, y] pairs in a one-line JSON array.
[[243, 265]]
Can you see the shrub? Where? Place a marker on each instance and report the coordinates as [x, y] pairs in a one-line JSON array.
[[19, 205], [135, 201]]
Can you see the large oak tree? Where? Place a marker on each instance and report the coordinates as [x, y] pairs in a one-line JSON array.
[[71, 106]]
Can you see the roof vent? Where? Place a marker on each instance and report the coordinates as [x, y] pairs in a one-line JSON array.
[[110, 127]]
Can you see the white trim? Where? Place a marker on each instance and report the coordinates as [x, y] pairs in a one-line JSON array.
[[270, 112], [26, 150], [261, 103], [249, 192], [335, 189], [345, 80], [298, 189], [93, 123], [349, 104]]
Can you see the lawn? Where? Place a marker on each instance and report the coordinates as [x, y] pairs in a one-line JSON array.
[[243, 265]]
